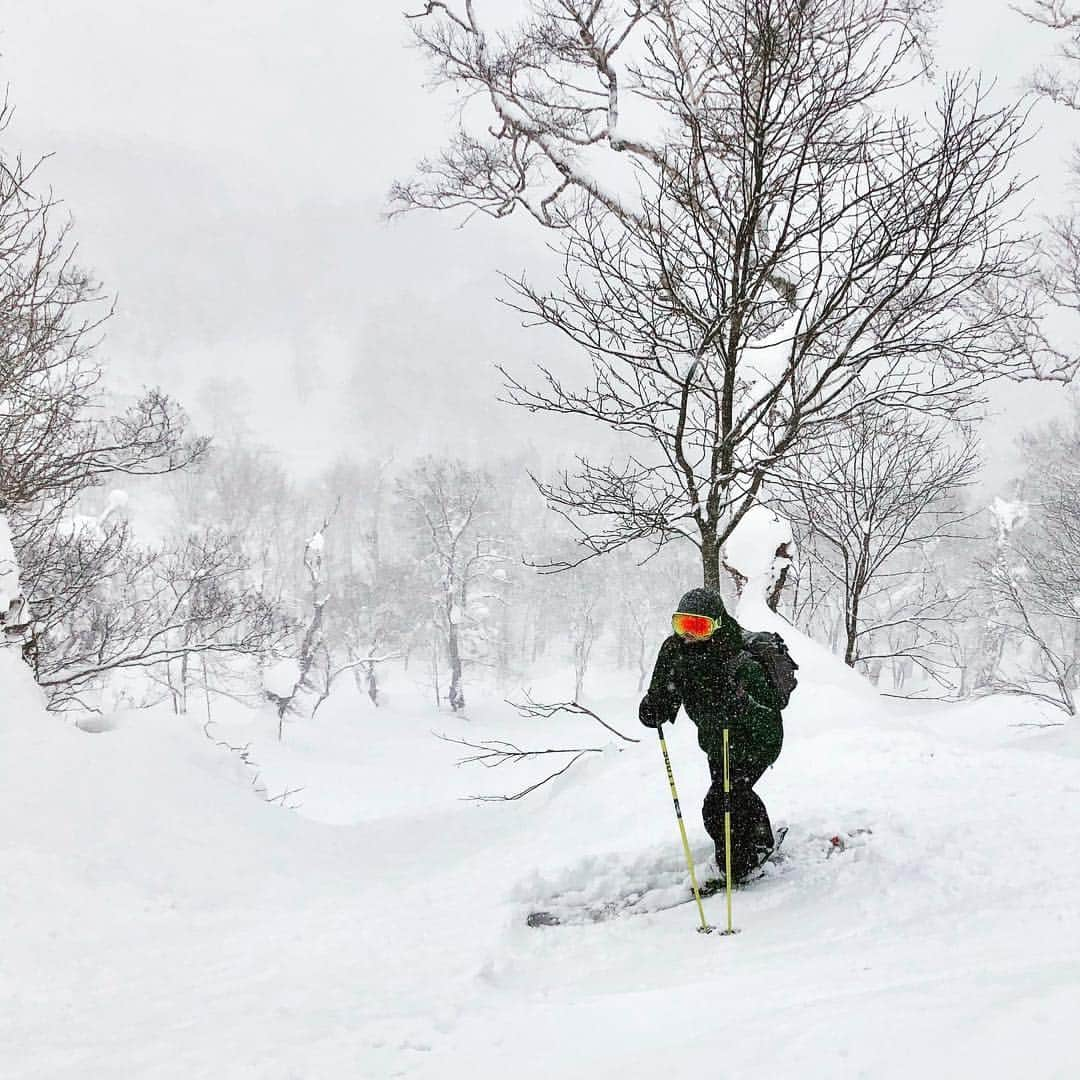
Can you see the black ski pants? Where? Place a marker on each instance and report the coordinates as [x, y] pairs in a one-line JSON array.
[[751, 830]]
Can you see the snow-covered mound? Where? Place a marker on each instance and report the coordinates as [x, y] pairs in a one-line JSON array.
[[20, 697], [759, 548], [163, 921], [12, 604], [751, 548], [9, 567], [819, 669]]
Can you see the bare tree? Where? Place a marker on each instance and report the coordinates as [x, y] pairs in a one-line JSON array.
[[1035, 578], [325, 648], [1043, 628], [122, 607], [374, 580], [990, 638], [780, 249], [308, 675], [59, 435], [449, 503], [1060, 86], [55, 438], [244, 490], [585, 629], [871, 502], [1059, 271]]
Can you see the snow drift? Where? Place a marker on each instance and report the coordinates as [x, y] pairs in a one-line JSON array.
[[162, 921]]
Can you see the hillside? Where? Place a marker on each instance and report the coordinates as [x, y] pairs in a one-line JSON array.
[[162, 921]]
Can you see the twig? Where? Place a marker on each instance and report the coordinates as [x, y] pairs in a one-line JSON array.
[[525, 791], [495, 752], [544, 710], [244, 754]]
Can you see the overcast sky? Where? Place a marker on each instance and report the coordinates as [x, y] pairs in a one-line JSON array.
[[226, 162]]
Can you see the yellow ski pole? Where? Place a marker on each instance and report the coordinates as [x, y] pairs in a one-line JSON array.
[[727, 835], [704, 928]]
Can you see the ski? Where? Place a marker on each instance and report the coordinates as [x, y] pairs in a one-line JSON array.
[[829, 844], [629, 905]]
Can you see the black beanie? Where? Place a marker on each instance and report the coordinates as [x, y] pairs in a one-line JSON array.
[[704, 601]]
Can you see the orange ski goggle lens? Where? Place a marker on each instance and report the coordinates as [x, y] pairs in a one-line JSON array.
[[695, 627]]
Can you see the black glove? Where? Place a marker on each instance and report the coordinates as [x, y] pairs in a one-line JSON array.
[[648, 714]]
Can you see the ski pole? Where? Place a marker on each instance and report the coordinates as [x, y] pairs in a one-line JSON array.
[[727, 835], [704, 928]]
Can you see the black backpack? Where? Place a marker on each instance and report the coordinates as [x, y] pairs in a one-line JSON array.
[[772, 654]]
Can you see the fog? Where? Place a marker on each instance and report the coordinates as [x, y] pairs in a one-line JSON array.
[[309, 744], [226, 166]]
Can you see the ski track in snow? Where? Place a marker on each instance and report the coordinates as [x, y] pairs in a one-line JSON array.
[[161, 921], [614, 886]]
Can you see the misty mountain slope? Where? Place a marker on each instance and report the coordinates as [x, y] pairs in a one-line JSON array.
[[163, 921]]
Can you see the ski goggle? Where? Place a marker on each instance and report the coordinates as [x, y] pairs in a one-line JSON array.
[[693, 627]]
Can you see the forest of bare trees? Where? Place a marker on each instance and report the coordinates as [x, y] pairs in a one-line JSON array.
[[779, 284]]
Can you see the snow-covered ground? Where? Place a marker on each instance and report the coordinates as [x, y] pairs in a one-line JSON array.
[[160, 920]]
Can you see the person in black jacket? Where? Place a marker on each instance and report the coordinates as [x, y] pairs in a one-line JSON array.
[[704, 667]]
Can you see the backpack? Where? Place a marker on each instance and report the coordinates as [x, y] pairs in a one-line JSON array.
[[772, 654]]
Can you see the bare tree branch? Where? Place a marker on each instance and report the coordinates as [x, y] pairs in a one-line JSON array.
[[545, 710]]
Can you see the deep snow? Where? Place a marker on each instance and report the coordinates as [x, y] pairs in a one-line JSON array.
[[160, 920]]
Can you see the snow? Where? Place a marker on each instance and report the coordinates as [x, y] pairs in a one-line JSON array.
[[19, 695], [818, 670], [765, 361], [1007, 514], [281, 676], [752, 546], [74, 525], [161, 920], [118, 500], [9, 567], [752, 549]]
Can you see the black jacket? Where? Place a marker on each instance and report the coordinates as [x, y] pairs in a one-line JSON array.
[[719, 685]]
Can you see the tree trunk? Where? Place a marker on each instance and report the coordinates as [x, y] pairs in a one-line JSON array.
[[456, 695], [183, 684], [206, 690], [773, 599], [372, 683], [173, 691], [774, 596], [503, 659], [738, 579], [710, 561], [435, 670], [850, 646]]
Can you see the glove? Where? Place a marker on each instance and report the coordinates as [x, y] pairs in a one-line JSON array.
[[648, 714]]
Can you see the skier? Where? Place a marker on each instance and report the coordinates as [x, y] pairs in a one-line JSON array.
[[705, 667]]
